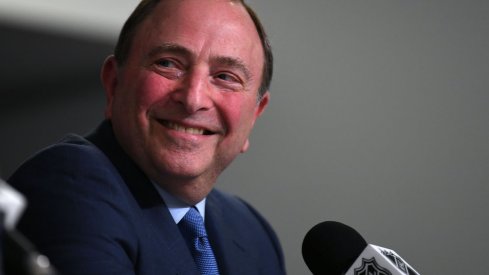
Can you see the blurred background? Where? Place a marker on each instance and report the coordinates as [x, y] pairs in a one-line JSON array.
[[378, 119]]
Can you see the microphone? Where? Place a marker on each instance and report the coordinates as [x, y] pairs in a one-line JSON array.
[[333, 248], [19, 255], [12, 204]]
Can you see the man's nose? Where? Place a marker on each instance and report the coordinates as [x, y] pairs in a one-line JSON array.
[[194, 93]]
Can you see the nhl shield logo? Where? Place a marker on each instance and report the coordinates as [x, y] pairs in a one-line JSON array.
[[371, 267]]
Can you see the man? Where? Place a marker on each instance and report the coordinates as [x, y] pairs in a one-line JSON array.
[[187, 82]]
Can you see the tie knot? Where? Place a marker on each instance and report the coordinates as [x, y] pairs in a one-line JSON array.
[[193, 230], [193, 224]]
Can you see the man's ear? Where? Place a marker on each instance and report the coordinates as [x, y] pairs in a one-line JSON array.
[[259, 109], [262, 105], [109, 79]]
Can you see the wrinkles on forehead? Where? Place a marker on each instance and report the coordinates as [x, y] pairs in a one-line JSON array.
[[147, 7]]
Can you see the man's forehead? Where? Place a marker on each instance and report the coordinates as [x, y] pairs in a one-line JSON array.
[[227, 12], [172, 17], [203, 8], [224, 30]]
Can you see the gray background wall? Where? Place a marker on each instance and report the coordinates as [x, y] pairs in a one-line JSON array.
[[378, 116]]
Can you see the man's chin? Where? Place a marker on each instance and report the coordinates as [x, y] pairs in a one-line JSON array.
[[183, 175], [188, 187]]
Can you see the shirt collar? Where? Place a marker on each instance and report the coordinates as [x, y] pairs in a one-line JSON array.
[[178, 208]]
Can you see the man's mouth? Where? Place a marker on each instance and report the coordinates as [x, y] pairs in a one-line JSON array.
[[185, 129]]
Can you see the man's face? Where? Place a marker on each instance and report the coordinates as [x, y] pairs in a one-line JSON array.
[[185, 101]]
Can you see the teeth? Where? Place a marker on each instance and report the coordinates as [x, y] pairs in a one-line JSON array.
[[194, 131]]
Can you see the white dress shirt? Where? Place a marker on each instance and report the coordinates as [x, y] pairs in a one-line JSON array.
[[178, 208]]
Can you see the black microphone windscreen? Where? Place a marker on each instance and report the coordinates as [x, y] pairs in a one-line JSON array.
[[330, 248]]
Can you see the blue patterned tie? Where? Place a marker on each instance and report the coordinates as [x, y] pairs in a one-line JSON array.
[[192, 227]]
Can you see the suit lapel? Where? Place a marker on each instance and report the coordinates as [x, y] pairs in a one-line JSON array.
[[227, 240], [169, 248]]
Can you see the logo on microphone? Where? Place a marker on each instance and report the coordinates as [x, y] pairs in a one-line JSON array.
[[398, 262], [371, 267]]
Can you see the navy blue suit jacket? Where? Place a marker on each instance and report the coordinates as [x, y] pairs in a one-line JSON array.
[[92, 211]]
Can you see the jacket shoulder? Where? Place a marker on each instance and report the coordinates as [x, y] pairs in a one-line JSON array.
[[76, 207], [70, 158]]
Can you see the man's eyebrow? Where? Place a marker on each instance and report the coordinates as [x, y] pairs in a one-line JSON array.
[[170, 47], [235, 63]]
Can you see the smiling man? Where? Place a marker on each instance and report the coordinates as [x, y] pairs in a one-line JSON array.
[[185, 85]]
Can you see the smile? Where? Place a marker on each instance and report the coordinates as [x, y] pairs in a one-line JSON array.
[[188, 130]]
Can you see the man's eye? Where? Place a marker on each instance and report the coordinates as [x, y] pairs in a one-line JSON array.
[[168, 68], [166, 63], [229, 81], [227, 77]]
